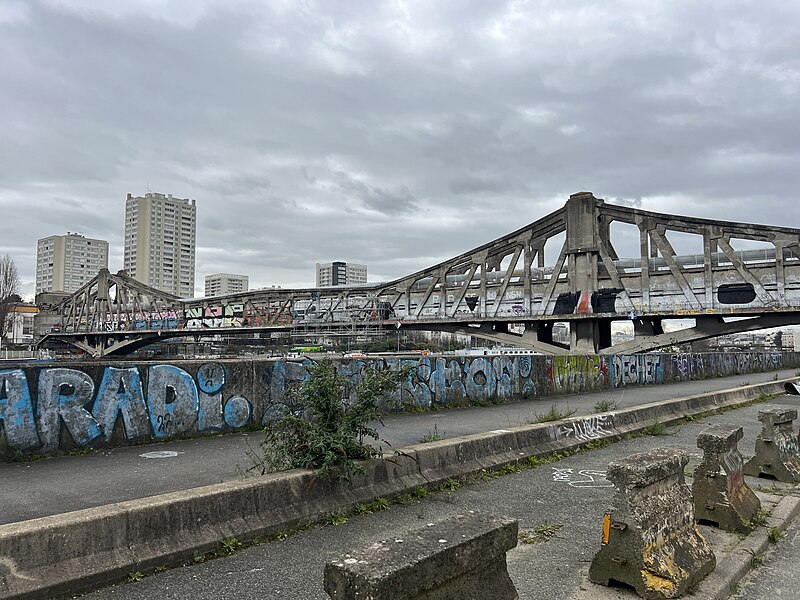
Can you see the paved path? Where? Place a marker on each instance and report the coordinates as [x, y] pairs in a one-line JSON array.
[[776, 579], [571, 496], [67, 483]]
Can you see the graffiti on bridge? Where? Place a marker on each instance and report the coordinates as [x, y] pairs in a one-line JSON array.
[[216, 316]]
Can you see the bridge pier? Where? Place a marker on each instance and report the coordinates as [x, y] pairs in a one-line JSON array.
[[583, 249]]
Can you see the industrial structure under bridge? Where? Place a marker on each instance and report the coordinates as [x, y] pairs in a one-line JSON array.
[[504, 290]]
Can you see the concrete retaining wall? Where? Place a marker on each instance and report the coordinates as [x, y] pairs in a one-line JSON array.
[[93, 547], [48, 409]]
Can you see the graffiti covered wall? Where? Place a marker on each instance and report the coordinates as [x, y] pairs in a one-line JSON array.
[[48, 409]]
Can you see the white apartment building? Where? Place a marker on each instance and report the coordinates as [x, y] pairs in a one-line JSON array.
[[219, 284], [160, 237], [64, 263], [340, 273]]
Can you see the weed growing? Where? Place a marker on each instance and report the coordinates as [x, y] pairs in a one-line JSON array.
[[597, 444], [337, 519], [432, 436], [450, 485], [554, 414], [329, 438], [759, 519], [775, 535], [756, 558], [654, 428], [229, 546], [602, 406]]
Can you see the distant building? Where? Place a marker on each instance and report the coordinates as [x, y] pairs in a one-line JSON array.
[[48, 320], [65, 262], [340, 273], [20, 323], [160, 237], [220, 284]]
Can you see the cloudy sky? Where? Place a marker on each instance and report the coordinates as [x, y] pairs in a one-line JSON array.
[[396, 134]]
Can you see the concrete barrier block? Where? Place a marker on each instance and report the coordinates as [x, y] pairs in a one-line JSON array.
[[462, 557], [776, 447], [51, 552], [650, 538], [469, 454], [383, 477], [721, 495]]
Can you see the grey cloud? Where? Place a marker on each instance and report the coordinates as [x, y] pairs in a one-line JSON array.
[[363, 131], [383, 200]]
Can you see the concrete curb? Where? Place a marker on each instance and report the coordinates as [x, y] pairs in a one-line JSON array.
[[95, 547], [721, 583]]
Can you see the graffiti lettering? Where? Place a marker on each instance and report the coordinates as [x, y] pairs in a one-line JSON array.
[[587, 429], [51, 409], [123, 407], [637, 369]]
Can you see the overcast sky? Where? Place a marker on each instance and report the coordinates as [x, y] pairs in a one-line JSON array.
[[396, 134]]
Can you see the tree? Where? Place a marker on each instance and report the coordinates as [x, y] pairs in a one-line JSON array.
[[9, 291]]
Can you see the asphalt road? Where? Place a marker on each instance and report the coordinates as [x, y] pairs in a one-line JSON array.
[[570, 496], [62, 484]]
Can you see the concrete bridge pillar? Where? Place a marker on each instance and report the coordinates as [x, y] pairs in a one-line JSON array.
[[583, 249]]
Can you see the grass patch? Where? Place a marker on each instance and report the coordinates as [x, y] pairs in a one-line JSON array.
[[380, 504], [756, 558], [450, 485], [554, 414], [80, 451], [432, 436], [229, 546], [759, 519], [337, 519], [602, 406], [775, 535], [421, 492], [21, 457], [654, 428], [135, 576], [362, 509], [596, 444], [281, 534]]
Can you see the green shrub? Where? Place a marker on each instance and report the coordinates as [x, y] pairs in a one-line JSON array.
[[329, 438]]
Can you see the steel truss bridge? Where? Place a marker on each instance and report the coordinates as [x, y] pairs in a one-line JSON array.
[[501, 291]]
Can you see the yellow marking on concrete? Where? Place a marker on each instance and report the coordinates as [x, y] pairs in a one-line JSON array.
[[657, 583], [606, 528]]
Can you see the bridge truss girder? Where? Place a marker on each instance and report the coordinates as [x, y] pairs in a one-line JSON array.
[[506, 281]]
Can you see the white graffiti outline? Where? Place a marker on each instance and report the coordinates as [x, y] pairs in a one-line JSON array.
[[590, 428], [591, 478]]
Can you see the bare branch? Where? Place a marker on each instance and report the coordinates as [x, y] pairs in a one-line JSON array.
[[9, 290]]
